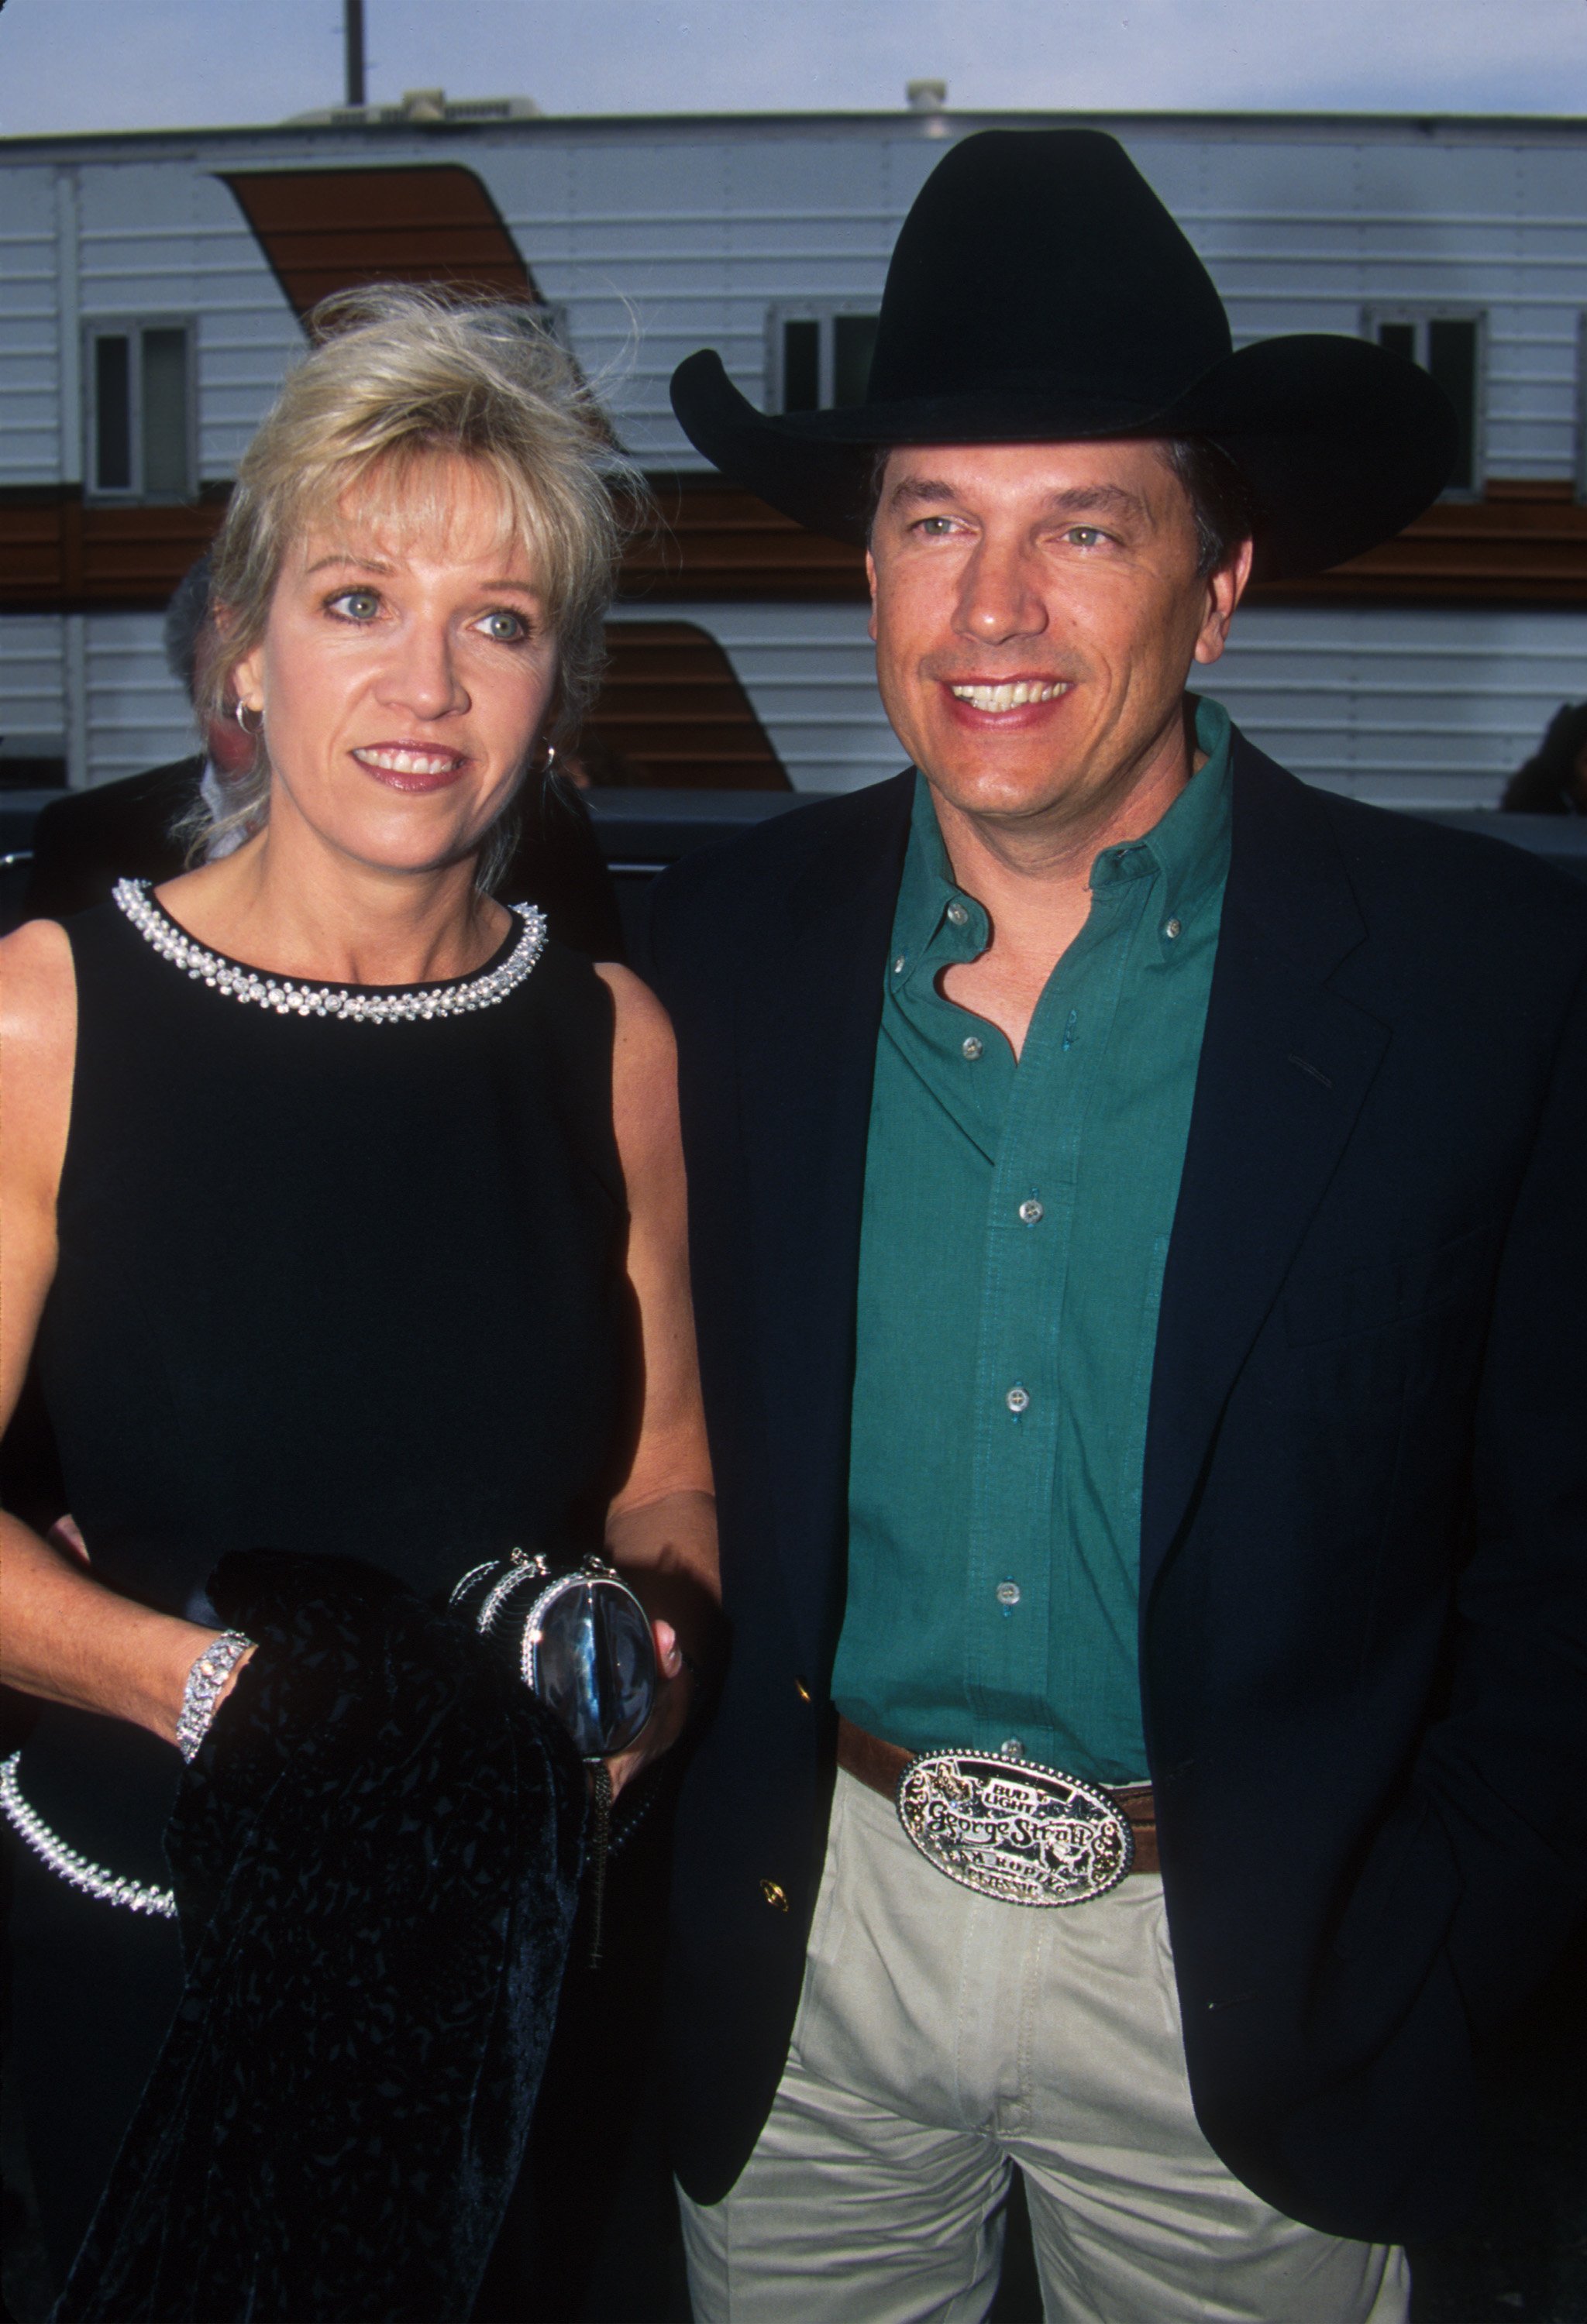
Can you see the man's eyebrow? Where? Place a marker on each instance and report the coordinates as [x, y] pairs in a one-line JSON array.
[[1071, 500]]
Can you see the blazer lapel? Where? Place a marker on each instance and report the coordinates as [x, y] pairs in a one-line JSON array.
[[807, 1056], [1286, 1064]]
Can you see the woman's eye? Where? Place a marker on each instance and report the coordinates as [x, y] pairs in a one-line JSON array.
[[506, 628], [356, 604]]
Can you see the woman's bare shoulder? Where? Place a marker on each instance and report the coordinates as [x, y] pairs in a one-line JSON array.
[[641, 1021], [645, 1070], [38, 988], [38, 1043]]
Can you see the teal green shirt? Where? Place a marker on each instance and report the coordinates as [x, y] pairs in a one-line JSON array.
[[1015, 1224]]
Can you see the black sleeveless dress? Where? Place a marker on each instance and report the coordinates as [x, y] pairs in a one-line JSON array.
[[340, 1271]]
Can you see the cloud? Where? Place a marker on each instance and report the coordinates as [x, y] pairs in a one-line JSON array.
[[96, 64]]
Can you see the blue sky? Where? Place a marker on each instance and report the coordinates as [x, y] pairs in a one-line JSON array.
[[126, 64]]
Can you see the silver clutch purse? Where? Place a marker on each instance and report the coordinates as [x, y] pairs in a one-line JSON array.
[[581, 1641]]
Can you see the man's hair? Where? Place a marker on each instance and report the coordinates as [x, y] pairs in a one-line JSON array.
[[185, 620], [1223, 505], [1548, 781], [395, 375]]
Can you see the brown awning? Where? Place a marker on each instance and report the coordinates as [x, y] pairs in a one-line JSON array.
[[324, 230]]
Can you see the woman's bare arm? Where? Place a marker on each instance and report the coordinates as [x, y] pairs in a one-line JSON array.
[[62, 1634], [661, 1529]]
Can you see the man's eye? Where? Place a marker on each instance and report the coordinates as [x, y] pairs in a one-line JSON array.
[[1085, 536], [356, 604], [508, 629], [935, 527]]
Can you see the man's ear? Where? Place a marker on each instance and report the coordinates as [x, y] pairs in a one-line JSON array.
[[1225, 589], [870, 585]]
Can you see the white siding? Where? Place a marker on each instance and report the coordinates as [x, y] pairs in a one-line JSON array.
[[165, 238], [661, 236], [137, 714], [30, 443], [32, 686]]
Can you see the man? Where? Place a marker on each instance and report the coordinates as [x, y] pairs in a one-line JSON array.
[[84, 843], [1132, 1222]]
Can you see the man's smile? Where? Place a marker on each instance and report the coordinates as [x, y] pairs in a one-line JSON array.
[[1009, 693]]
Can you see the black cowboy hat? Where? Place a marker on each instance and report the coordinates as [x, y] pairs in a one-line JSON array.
[[1040, 291]]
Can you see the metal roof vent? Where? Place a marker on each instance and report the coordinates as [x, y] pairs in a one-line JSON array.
[[424, 105], [927, 96]]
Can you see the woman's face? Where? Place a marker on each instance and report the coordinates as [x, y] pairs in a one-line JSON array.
[[403, 675]]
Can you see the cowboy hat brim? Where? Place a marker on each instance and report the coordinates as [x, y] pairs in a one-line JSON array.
[[1341, 442]]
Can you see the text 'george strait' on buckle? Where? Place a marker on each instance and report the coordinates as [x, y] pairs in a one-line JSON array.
[[1012, 1830]]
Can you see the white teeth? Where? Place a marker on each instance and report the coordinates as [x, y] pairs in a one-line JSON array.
[[1006, 697], [410, 763]]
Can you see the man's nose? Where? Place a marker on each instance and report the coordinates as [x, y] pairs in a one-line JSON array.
[[422, 675], [999, 599]]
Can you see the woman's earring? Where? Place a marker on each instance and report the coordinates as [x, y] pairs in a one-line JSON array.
[[240, 713], [549, 767]]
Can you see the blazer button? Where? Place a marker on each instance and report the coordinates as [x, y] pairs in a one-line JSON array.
[[774, 1895], [801, 1690]]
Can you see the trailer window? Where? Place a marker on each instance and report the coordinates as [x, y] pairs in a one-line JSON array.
[[1448, 342], [817, 356], [140, 426]]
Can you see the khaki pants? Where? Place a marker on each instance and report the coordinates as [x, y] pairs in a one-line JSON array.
[[941, 2037]]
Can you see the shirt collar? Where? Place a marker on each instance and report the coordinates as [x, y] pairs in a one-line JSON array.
[[1188, 849]]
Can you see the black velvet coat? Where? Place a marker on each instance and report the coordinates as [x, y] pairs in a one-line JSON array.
[[1363, 1565], [375, 1856]]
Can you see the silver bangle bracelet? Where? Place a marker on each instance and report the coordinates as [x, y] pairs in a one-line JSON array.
[[209, 1674], [80, 1871]]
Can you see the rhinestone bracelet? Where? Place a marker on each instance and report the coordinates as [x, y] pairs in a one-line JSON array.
[[209, 1674], [66, 1863]]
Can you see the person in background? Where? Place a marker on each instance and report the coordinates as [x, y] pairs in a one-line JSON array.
[[1554, 781], [144, 826]]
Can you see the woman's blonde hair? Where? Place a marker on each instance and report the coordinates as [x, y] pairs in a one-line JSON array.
[[394, 375]]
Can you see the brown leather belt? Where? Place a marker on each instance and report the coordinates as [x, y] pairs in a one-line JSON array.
[[878, 1766]]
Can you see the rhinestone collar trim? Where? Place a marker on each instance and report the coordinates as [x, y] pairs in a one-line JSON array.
[[288, 996]]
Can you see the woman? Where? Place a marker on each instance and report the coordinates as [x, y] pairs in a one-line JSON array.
[[346, 1215]]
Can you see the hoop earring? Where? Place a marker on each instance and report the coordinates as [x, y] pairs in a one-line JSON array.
[[240, 713]]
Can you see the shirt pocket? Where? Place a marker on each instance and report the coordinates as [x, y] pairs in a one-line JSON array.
[[1372, 1298]]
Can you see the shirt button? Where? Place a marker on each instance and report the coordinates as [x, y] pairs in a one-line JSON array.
[[1171, 929], [1018, 1399], [970, 1047], [1010, 1748], [1030, 1212], [1007, 1593], [900, 964], [958, 914], [775, 1897]]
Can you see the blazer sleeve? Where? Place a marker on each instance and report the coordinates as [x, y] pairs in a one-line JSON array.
[[1506, 1767]]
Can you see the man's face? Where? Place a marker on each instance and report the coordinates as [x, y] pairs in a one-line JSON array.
[[1036, 609]]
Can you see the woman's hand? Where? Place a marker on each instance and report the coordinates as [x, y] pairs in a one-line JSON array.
[[66, 1639], [675, 1692]]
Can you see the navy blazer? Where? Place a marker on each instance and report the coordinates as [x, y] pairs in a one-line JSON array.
[[1363, 1563]]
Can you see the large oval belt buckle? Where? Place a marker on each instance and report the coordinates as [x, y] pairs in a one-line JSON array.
[[1012, 1830]]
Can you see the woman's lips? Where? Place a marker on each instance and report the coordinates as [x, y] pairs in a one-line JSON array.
[[411, 766]]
